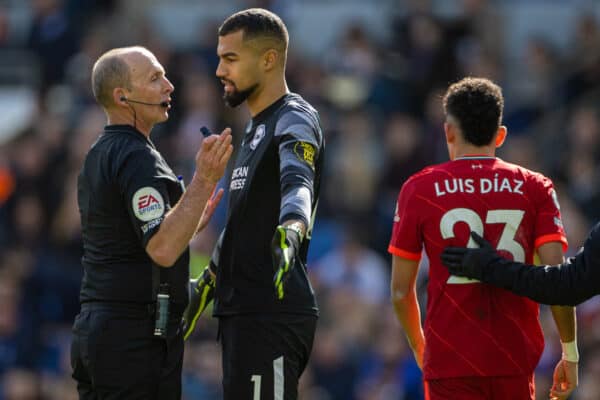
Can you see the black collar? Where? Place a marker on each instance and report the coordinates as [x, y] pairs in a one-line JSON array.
[[128, 129], [267, 111]]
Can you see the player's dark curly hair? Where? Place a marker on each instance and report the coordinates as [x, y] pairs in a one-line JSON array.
[[257, 23], [476, 104]]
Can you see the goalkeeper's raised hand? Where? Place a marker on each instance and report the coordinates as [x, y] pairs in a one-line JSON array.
[[202, 292], [284, 248]]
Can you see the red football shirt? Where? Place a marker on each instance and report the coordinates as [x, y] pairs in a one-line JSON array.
[[475, 329]]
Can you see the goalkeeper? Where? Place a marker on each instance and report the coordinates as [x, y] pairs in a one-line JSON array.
[[262, 296], [570, 283]]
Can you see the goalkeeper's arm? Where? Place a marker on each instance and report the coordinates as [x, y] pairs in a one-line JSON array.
[[297, 180]]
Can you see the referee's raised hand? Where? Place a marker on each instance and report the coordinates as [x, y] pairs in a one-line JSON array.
[[212, 158]]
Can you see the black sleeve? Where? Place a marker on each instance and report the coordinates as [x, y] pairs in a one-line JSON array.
[[145, 193], [299, 143], [570, 283]]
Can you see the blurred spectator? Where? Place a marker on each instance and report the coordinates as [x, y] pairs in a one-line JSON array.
[[334, 370], [589, 383], [354, 162], [483, 22], [389, 371], [202, 379], [404, 152], [52, 37], [198, 93], [424, 45], [17, 349], [21, 385], [355, 54], [583, 58], [63, 388], [78, 68], [581, 170], [3, 27], [356, 268]]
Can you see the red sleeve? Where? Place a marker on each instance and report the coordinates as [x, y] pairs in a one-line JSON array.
[[406, 241], [548, 226]]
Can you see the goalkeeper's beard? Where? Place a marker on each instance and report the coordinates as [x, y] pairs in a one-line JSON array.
[[237, 97]]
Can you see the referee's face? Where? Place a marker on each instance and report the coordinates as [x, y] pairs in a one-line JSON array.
[[149, 84], [238, 68]]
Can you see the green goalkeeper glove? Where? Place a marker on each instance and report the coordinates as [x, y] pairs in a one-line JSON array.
[[202, 292], [284, 248]]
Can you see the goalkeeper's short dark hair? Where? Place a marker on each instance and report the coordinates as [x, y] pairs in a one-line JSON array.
[[257, 23], [476, 104]]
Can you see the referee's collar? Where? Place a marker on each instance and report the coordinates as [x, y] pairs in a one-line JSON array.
[[127, 129]]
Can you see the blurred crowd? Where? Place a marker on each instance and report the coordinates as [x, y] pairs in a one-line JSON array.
[[379, 98]]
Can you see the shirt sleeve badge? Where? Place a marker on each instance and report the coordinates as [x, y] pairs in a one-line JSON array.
[[147, 204], [306, 152]]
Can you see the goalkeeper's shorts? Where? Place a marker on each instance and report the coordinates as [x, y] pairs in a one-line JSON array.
[[265, 354]]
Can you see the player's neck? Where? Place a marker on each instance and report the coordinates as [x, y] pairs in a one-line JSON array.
[[468, 150], [267, 95]]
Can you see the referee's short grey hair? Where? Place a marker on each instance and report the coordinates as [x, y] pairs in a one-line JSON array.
[[111, 71]]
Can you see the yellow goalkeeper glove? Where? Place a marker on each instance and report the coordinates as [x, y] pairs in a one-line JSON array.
[[202, 292], [284, 247]]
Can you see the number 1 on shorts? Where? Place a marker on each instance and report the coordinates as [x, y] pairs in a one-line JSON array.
[[278, 381], [256, 381]]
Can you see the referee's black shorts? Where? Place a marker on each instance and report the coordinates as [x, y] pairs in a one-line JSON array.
[[265, 354], [115, 355]]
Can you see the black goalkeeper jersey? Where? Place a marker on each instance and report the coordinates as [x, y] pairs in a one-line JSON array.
[[282, 148]]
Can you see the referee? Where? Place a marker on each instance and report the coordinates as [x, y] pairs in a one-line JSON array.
[[570, 283], [136, 225], [264, 301]]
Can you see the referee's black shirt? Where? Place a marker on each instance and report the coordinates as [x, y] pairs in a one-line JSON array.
[[124, 190], [283, 144]]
